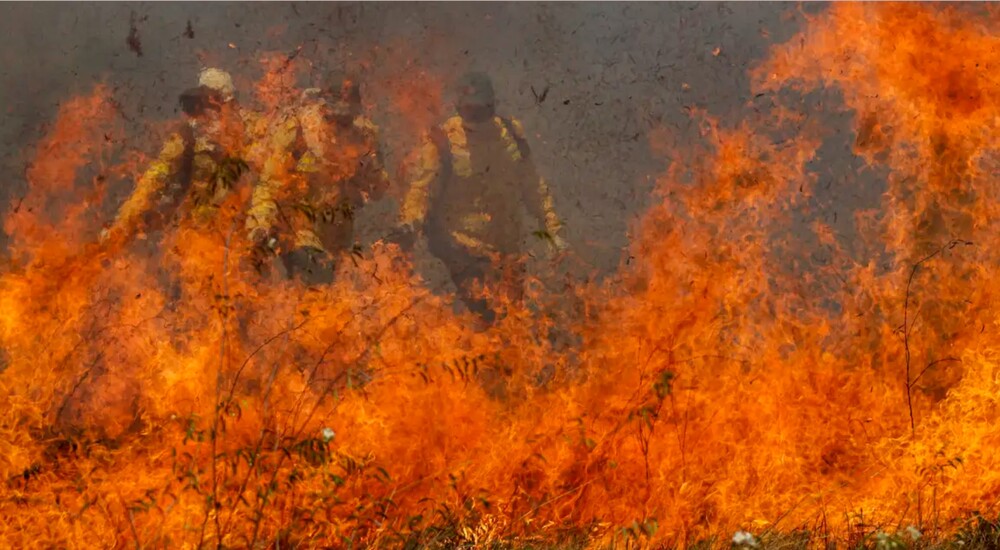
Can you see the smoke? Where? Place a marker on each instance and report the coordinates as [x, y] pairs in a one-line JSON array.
[[612, 73]]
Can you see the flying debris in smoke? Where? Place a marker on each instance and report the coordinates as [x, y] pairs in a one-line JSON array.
[[181, 379], [133, 41]]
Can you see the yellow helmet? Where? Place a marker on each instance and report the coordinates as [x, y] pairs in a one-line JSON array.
[[218, 80]]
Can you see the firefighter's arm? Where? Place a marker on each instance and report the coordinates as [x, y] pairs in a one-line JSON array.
[[152, 181], [538, 197], [278, 162], [256, 145], [425, 173], [544, 208]]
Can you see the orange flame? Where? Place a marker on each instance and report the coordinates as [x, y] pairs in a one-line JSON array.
[[712, 391]]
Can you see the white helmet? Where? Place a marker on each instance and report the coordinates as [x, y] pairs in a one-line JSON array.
[[218, 80], [312, 96]]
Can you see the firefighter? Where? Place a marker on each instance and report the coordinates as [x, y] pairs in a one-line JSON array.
[[198, 165], [473, 173], [197, 168], [323, 165]]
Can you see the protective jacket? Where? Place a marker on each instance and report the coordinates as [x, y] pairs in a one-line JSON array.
[[469, 183], [315, 176], [196, 168]]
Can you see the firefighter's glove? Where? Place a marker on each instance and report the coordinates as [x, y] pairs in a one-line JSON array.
[[264, 245], [265, 242], [556, 243], [110, 235], [559, 244]]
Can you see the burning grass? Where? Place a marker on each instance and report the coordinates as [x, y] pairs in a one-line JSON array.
[[173, 399]]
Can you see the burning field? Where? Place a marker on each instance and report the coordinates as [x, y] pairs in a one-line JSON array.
[[159, 392]]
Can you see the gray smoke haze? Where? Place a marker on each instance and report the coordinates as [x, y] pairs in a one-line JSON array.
[[613, 71]]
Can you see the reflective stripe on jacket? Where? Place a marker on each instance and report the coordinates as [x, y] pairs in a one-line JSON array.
[[433, 165]]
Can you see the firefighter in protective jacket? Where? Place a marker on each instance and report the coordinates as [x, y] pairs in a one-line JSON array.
[[324, 164], [473, 174], [198, 165]]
